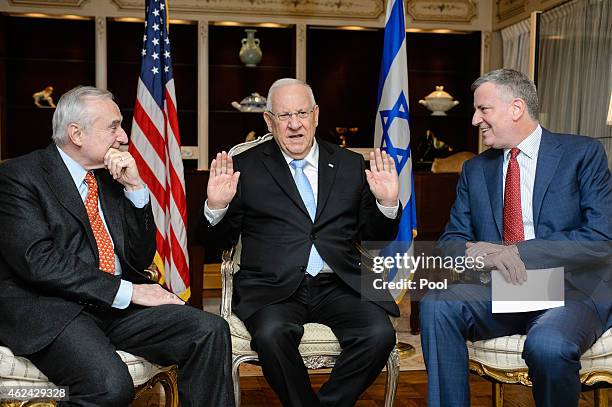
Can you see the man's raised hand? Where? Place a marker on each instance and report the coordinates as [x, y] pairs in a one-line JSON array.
[[382, 178], [222, 182]]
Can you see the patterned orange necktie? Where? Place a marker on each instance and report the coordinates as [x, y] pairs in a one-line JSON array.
[[513, 214], [103, 240]]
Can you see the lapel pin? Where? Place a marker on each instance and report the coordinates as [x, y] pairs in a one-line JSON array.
[[331, 165]]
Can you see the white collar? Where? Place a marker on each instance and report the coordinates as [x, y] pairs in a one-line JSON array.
[[312, 158], [530, 145]]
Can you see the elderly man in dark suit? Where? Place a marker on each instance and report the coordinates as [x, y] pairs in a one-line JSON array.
[[548, 198], [300, 205], [78, 232]]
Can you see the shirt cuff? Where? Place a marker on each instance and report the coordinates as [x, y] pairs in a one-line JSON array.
[[138, 198], [389, 211], [214, 216], [124, 295]]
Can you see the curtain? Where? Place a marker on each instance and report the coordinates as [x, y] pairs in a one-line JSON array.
[[515, 46], [575, 69]]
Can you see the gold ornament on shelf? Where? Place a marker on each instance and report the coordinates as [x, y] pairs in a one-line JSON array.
[[43, 99], [343, 132]]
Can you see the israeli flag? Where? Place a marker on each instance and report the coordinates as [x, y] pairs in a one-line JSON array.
[[392, 130]]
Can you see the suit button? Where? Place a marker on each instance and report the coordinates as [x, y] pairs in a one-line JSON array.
[[313, 237]]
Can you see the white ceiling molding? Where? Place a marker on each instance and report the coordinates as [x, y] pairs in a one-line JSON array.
[[54, 3], [442, 11], [359, 9]]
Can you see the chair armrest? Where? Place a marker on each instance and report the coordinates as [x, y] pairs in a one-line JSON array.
[[227, 284], [367, 256], [152, 273]]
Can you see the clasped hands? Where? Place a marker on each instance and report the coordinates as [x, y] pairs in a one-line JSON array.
[[505, 259], [122, 168], [382, 179]]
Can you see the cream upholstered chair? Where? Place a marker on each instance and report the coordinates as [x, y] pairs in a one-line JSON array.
[[319, 346], [20, 372], [499, 360], [17, 371]]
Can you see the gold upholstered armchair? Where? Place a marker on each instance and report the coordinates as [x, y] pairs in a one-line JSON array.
[[319, 347], [499, 360], [19, 372]]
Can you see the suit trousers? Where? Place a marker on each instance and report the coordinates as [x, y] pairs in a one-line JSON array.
[[363, 329], [83, 356], [556, 339]]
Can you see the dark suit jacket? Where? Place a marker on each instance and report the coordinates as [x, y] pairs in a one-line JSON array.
[[572, 212], [48, 255], [277, 232]]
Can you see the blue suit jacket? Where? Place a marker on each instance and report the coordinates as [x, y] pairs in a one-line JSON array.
[[572, 211]]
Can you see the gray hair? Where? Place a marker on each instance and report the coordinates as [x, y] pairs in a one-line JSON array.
[[71, 108], [286, 82], [514, 84]]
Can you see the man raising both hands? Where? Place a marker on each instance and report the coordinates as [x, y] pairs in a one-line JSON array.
[[300, 206]]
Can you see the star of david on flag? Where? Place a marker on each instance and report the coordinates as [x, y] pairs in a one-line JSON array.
[[398, 112], [392, 131]]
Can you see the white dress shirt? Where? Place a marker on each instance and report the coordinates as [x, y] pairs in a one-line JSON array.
[[528, 161]]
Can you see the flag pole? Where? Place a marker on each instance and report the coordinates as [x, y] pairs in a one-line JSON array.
[[392, 134]]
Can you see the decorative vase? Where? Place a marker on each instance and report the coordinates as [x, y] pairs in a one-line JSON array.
[[255, 103], [250, 53], [438, 101]]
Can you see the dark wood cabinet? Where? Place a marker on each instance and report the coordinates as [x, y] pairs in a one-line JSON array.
[[343, 69], [230, 80], [435, 195], [36, 53], [453, 61], [195, 191]]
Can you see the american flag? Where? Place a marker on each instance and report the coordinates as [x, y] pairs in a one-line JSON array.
[[156, 147]]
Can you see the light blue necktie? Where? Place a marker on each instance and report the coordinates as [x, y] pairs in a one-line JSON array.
[[315, 261]]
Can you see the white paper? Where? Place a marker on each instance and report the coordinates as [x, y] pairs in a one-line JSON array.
[[543, 289]]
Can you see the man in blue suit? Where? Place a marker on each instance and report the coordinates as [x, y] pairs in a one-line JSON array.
[[548, 198]]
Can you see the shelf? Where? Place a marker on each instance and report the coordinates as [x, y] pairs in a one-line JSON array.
[[131, 110], [232, 111], [253, 68], [55, 61], [448, 116], [133, 63], [32, 106], [438, 71]]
